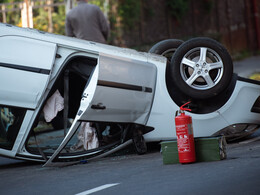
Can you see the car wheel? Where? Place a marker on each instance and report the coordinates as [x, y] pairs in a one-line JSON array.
[[201, 68], [166, 48], [139, 142]]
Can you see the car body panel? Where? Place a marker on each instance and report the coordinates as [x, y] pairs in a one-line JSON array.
[[237, 110], [125, 90], [25, 77]]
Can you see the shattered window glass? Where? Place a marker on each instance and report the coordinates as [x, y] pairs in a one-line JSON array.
[[10, 122]]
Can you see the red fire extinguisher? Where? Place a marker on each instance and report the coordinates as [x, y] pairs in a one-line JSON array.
[[185, 139]]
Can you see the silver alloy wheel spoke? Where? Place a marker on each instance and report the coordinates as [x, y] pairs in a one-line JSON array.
[[209, 80], [215, 65], [192, 78], [203, 54], [188, 62]]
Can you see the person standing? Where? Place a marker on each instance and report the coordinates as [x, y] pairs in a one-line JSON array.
[[86, 21]]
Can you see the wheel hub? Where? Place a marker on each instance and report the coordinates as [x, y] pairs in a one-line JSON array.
[[202, 68], [201, 63]]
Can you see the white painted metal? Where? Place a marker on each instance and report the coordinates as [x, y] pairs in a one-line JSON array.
[[236, 110], [21, 85], [123, 105]]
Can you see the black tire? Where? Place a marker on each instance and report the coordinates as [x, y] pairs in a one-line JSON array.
[[166, 47], [139, 142], [192, 70]]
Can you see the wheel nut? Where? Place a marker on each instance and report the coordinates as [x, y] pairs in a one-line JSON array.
[[198, 72]]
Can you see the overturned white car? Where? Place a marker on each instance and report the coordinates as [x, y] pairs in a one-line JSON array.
[[65, 99]]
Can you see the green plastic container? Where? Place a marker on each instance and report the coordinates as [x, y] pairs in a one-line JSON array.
[[206, 148], [169, 152]]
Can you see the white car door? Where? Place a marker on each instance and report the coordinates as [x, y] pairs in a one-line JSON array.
[[25, 67], [124, 92]]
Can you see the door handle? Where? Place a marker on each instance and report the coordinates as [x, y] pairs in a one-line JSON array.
[[98, 106]]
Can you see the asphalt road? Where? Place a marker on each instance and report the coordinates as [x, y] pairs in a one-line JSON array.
[[129, 173], [247, 66], [135, 174]]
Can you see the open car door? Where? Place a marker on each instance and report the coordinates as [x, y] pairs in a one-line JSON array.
[[84, 104]]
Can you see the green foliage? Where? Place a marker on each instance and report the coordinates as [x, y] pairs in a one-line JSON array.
[[240, 55], [40, 19], [177, 8], [129, 11], [99, 3], [12, 17], [255, 76], [10, 1], [40, 15], [59, 20]]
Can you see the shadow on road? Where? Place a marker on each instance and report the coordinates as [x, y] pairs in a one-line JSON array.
[[6, 163]]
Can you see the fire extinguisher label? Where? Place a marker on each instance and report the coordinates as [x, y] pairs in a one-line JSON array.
[[183, 140]]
